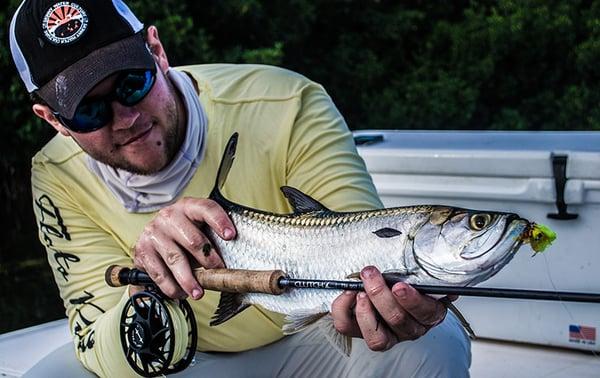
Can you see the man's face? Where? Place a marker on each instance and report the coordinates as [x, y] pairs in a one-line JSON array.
[[142, 138]]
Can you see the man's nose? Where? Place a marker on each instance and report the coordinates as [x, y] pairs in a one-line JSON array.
[[123, 116]]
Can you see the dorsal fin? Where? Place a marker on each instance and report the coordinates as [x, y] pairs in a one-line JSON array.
[[224, 167], [301, 203]]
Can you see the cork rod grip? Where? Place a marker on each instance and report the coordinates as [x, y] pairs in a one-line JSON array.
[[240, 280], [229, 280]]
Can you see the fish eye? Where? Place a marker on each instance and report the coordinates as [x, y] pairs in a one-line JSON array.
[[479, 221]]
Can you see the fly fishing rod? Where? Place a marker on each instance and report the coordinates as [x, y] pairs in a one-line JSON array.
[[149, 324], [277, 282]]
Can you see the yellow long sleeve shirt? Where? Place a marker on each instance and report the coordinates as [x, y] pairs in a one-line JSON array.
[[290, 134]]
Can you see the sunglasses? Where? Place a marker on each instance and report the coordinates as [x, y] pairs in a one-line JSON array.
[[96, 112]]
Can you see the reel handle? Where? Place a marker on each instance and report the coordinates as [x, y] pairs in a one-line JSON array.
[[228, 280]]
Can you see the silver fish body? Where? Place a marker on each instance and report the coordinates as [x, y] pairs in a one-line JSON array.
[[421, 244], [414, 244]]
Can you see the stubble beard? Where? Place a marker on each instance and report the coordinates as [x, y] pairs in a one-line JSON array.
[[173, 139]]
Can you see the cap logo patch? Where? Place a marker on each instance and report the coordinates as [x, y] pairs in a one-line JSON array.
[[64, 23]]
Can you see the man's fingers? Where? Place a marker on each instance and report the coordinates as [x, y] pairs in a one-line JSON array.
[[187, 235], [342, 312], [375, 333], [209, 212], [165, 246], [177, 262], [160, 274], [379, 293], [423, 308], [393, 313]]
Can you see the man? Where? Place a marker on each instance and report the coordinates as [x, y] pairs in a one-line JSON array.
[[126, 178]]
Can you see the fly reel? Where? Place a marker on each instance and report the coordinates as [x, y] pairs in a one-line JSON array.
[[151, 334]]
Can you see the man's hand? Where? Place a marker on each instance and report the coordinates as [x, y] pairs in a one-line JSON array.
[[384, 316], [172, 243]]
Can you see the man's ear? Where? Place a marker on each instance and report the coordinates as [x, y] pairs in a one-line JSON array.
[[45, 113], [157, 48]]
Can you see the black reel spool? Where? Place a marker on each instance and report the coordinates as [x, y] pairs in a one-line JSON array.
[[148, 335]]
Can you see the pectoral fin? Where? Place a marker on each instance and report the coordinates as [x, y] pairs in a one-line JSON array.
[[450, 306], [230, 304]]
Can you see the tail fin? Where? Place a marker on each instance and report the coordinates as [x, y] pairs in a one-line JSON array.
[[224, 167]]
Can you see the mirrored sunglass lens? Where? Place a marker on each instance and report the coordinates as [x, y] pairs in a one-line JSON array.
[[91, 116], [134, 87]]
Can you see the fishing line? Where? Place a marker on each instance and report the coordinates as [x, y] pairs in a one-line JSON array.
[[564, 305], [180, 329]]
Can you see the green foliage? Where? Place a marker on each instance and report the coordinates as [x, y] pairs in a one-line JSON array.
[[502, 64]]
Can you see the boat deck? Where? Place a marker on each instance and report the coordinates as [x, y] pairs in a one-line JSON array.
[[20, 350], [498, 359]]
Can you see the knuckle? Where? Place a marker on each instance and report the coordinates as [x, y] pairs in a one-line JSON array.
[[362, 310], [142, 247], [213, 208], [149, 230], [157, 277], [166, 212], [396, 318], [376, 290], [173, 257], [196, 242]]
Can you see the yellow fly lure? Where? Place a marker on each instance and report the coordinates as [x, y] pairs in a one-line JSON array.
[[540, 237]]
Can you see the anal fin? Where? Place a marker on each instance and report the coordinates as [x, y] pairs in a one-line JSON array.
[[341, 343], [298, 320]]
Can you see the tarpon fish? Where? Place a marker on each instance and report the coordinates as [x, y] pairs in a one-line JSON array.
[[430, 245]]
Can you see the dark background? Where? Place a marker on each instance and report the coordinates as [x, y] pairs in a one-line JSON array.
[[503, 65]]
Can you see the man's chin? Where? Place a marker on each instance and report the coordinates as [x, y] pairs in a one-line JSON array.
[[142, 169]]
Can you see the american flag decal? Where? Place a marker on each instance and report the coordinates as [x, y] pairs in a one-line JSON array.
[[582, 334]]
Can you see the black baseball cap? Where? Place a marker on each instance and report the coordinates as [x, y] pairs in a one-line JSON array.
[[62, 49]]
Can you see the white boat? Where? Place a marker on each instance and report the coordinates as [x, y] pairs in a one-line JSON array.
[[524, 172]]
